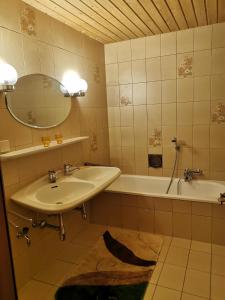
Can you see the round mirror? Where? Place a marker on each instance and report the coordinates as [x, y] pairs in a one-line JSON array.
[[38, 101]]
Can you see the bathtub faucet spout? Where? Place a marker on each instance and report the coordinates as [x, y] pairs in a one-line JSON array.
[[221, 198], [190, 173]]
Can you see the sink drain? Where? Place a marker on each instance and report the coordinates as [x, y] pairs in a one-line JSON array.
[[58, 202]]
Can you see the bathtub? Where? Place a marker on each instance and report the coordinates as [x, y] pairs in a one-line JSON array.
[[196, 190]]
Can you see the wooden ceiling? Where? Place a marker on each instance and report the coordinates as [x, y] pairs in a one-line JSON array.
[[116, 20]]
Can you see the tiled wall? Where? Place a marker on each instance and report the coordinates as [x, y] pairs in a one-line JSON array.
[[163, 86], [35, 43], [186, 219]]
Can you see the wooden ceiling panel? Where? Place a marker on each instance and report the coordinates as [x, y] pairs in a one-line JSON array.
[[116, 20]]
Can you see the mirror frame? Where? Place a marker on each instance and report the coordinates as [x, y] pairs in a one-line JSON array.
[[35, 126]]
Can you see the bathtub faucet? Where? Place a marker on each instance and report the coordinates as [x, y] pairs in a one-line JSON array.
[[190, 173], [221, 198]]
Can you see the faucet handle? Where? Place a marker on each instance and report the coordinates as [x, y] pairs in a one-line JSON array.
[[52, 176]]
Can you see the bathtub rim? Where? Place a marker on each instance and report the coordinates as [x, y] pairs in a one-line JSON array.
[[167, 196]]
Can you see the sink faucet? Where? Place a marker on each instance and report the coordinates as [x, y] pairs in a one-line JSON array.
[[52, 176], [68, 169], [190, 173], [221, 199]]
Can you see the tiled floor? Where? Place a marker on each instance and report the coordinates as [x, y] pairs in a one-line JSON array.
[[186, 270]]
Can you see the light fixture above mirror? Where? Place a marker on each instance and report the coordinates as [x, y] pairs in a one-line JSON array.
[[8, 77], [74, 85]]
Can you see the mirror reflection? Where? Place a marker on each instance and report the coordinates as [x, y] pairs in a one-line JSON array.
[[38, 101]]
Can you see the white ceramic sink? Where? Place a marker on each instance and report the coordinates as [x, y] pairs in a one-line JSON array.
[[68, 191]]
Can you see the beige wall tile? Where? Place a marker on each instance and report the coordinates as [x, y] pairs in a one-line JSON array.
[[127, 116], [201, 113], [169, 114], [154, 93], [181, 206], [146, 219], [126, 95], [201, 158], [111, 53], [169, 93], [113, 95], [163, 222], [201, 228], [217, 134], [185, 41], [138, 71], [218, 32], [163, 204], [127, 136], [201, 209], [115, 136], [201, 136], [185, 135], [185, 90], [168, 67], [202, 88], [124, 51], [217, 231], [168, 43], [202, 61], [124, 73], [218, 87], [139, 93], [218, 61], [111, 74], [138, 48], [182, 225], [152, 46], [202, 38], [153, 69], [185, 113], [154, 115], [130, 217], [114, 116], [216, 160]]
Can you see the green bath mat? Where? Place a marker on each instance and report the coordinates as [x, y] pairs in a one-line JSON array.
[[88, 292]]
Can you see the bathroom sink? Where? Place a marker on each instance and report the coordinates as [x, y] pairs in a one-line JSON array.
[[67, 192], [62, 192], [95, 173]]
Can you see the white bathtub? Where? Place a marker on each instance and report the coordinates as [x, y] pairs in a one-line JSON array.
[[196, 190]]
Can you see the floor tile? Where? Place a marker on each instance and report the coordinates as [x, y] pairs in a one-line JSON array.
[[71, 253], [36, 290], [162, 293], [217, 287], [163, 253], [55, 272], [197, 283], [156, 273], [199, 261], [172, 277], [218, 265], [191, 297], [218, 250], [166, 240], [182, 243], [201, 246], [149, 292], [177, 256]]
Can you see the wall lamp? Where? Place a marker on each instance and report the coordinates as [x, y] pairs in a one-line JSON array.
[[73, 85], [8, 77]]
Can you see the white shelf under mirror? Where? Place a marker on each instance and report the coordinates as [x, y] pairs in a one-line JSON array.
[[41, 148]]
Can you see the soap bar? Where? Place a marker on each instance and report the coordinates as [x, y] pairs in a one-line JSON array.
[[4, 146]]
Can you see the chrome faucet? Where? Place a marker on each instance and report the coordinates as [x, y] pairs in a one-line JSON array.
[[190, 173], [221, 198], [68, 169], [52, 176]]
